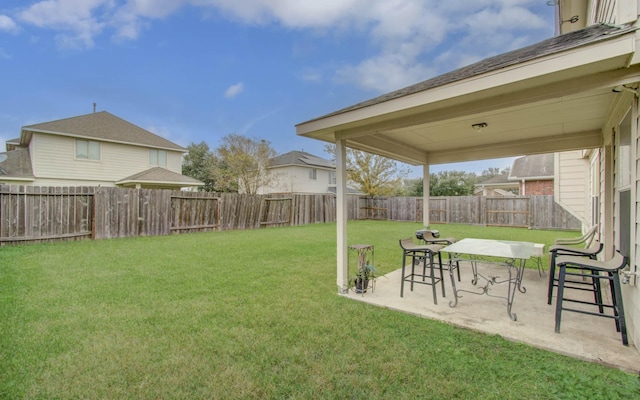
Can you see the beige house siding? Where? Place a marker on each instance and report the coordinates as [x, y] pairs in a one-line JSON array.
[[573, 174], [54, 160], [295, 179], [609, 205], [632, 294]]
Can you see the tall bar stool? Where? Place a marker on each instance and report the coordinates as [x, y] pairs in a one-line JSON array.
[[432, 236], [561, 250], [597, 270], [421, 254]]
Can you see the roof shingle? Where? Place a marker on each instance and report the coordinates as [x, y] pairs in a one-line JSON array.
[[104, 126], [588, 35]]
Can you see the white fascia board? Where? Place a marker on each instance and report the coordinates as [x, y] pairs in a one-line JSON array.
[[590, 54], [532, 178], [17, 179]]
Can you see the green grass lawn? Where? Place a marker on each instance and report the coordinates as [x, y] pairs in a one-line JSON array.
[[252, 314]]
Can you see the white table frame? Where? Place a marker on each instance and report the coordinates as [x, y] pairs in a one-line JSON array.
[[514, 254]]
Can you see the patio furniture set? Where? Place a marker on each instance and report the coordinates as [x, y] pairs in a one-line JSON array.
[[572, 270]]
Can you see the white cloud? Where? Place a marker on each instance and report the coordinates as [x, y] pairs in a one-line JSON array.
[[385, 73], [7, 24], [234, 90], [402, 33], [290, 13], [74, 19], [311, 76]]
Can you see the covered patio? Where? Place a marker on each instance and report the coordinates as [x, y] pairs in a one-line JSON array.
[[582, 336], [565, 94]]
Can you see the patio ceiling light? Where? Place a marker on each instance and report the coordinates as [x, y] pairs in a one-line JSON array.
[[479, 126], [624, 88]]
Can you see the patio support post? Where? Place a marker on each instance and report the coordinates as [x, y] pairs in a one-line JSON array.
[[341, 216], [425, 195]]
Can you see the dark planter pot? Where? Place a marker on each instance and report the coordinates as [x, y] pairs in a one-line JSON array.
[[361, 285]]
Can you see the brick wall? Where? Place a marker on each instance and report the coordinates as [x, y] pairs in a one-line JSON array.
[[537, 188]]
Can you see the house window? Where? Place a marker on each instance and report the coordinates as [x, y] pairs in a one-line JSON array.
[[332, 177], [87, 149], [312, 174], [158, 157]]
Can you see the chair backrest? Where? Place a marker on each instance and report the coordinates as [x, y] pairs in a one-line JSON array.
[[407, 243], [587, 238], [590, 235], [618, 261], [595, 248]]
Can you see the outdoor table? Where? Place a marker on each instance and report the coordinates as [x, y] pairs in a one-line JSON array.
[[513, 256]]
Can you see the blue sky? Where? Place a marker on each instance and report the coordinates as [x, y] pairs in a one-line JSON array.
[[197, 70]]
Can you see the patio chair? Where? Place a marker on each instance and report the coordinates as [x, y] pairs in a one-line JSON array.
[[597, 270], [425, 255], [560, 250], [429, 236], [587, 238]]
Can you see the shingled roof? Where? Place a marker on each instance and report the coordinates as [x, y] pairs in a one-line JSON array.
[[16, 166], [102, 126], [557, 44], [300, 158], [160, 177], [537, 166]]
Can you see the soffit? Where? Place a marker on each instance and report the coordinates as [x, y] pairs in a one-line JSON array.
[[555, 103]]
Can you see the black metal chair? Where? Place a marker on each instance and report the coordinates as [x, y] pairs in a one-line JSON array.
[[425, 255], [431, 236], [562, 250], [597, 270]]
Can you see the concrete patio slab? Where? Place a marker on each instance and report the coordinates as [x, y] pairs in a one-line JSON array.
[[581, 336]]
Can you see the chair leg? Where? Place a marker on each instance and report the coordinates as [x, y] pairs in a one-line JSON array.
[[413, 268], [402, 278], [561, 279], [597, 291], [441, 273], [618, 308], [433, 278], [552, 274]]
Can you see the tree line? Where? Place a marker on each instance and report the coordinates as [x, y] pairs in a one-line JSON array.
[[241, 164]]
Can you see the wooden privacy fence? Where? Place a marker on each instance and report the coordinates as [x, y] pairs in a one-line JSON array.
[[539, 212], [32, 213]]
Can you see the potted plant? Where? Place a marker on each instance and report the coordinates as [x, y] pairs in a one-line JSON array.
[[365, 273]]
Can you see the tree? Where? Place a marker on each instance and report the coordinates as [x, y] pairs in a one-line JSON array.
[[373, 175], [414, 187], [444, 183], [493, 171], [242, 164], [198, 163], [452, 183]]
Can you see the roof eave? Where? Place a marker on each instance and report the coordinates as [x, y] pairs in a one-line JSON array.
[[532, 178], [157, 183], [26, 134], [16, 178], [601, 56]]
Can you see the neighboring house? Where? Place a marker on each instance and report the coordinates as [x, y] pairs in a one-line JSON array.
[[300, 172], [575, 94], [91, 150], [496, 186], [529, 175], [534, 174], [573, 187]]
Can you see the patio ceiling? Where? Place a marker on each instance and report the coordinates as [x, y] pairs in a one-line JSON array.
[[552, 96]]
